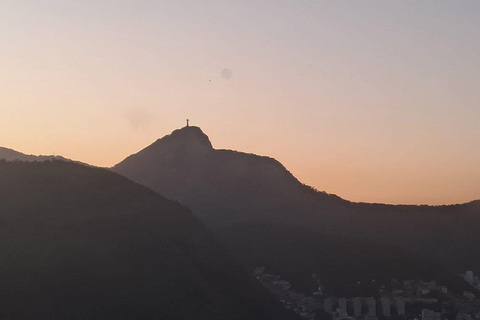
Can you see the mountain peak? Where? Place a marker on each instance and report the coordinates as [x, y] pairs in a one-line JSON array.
[[189, 136]]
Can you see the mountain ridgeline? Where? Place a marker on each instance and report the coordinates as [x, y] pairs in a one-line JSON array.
[[85, 243], [12, 155], [268, 217]]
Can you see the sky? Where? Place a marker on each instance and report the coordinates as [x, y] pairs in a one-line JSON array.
[[376, 101]]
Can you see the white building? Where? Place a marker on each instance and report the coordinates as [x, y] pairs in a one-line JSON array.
[[328, 305], [342, 304], [400, 305], [428, 314], [386, 310], [357, 306], [372, 307]]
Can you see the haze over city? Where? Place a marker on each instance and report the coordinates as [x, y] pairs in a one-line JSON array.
[[374, 101]]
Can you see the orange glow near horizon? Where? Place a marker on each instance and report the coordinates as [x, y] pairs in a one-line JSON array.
[[374, 102]]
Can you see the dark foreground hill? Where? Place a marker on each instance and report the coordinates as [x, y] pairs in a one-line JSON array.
[[85, 243], [235, 193]]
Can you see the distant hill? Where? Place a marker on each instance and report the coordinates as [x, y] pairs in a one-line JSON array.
[[12, 155], [78, 242], [235, 192]]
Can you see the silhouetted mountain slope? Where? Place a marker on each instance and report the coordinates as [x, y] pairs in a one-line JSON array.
[[84, 243], [296, 253], [225, 188], [222, 186], [12, 155]]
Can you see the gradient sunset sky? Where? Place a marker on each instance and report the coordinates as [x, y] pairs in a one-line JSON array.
[[376, 101]]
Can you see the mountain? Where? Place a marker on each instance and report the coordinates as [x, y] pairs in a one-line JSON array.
[[222, 186], [252, 201], [12, 155], [78, 242]]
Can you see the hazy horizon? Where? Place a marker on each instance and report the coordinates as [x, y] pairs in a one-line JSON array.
[[374, 102]]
